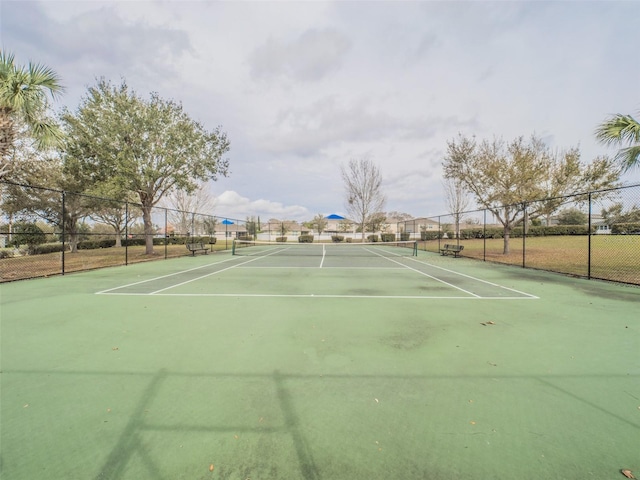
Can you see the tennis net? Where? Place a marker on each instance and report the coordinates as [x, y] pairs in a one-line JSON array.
[[384, 249]]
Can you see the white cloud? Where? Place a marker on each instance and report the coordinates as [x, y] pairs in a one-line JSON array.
[[235, 206], [311, 56], [301, 87]]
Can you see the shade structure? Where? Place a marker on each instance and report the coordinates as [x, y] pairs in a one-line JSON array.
[[334, 216], [227, 222]]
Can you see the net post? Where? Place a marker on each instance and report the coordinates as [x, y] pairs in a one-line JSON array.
[[415, 249], [233, 247]]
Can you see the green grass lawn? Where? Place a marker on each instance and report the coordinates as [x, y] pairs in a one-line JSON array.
[[613, 257], [29, 266]]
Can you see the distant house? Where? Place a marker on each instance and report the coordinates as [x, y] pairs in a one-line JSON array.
[[274, 227], [600, 225], [229, 229], [337, 224]]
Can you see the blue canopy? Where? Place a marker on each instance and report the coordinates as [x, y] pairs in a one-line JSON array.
[[333, 216], [227, 222]]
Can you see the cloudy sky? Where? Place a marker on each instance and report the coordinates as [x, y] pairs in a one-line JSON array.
[[302, 87]]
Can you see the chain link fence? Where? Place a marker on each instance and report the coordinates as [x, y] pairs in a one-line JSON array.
[[592, 235], [47, 232]]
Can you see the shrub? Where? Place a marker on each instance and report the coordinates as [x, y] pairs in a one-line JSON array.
[[28, 234], [349, 239], [372, 238], [87, 245], [428, 236], [338, 238], [129, 242], [107, 243], [305, 239], [48, 248], [405, 236], [625, 228], [281, 239], [388, 237]]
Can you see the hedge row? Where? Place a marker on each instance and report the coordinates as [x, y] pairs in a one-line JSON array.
[[516, 232], [305, 239], [625, 228]]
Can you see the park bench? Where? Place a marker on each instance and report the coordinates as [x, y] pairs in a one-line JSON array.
[[197, 247], [450, 249]]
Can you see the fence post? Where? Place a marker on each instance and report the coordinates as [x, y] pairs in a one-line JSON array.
[[126, 233], [166, 234], [484, 237], [589, 242], [63, 231], [525, 221]]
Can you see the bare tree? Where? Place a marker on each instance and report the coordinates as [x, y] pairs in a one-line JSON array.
[[319, 222], [457, 199], [186, 205], [363, 190]]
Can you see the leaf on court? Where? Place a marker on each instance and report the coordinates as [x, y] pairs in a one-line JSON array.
[[627, 473], [211, 467], [115, 348], [488, 323]]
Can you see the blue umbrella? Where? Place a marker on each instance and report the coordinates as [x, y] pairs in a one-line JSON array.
[[333, 216], [227, 222]]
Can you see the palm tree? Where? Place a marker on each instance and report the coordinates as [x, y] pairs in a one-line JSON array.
[[622, 130], [23, 100]]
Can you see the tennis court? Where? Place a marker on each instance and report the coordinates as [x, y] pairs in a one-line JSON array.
[[304, 363]]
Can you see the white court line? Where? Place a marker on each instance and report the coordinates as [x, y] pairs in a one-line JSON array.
[[252, 267], [474, 278], [253, 259], [324, 253], [163, 276], [311, 295], [426, 274]]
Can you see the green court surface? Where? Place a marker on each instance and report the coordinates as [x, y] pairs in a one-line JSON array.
[[319, 367]]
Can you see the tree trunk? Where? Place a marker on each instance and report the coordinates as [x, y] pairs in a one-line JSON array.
[[507, 233], [72, 229], [148, 229]]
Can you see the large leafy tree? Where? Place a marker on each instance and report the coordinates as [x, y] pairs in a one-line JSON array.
[[63, 210], [24, 93], [149, 146], [512, 180], [622, 131]]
